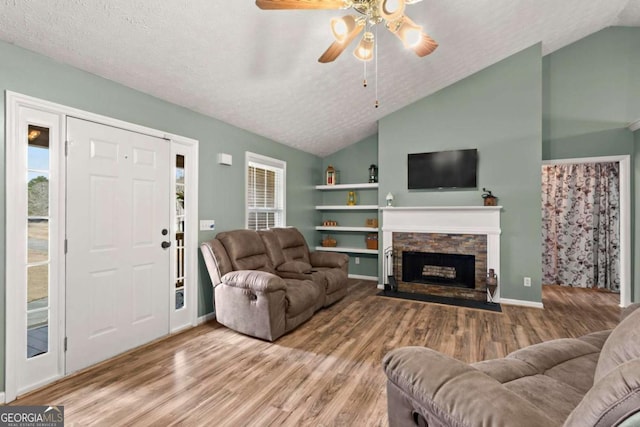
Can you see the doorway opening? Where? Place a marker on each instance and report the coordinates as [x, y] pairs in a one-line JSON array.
[[37, 272], [585, 224]]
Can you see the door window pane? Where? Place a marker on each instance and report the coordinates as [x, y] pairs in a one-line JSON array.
[[37, 333], [179, 279], [38, 287], [38, 194], [38, 241], [38, 236]]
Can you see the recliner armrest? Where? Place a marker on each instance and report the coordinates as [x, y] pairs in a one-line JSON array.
[[449, 392], [254, 280], [328, 259]]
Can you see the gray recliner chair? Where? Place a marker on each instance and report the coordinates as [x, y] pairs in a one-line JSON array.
[[589, 381]]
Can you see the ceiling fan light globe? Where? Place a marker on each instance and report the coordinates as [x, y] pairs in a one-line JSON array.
[[364, 50], [408, 31], [412, 38], [391, 9], [342, 27]]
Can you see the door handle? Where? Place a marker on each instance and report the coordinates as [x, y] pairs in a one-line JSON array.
[[165, 245]]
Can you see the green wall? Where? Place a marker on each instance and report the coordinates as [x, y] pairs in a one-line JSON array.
[[591, 93], [353, 164], [498, 111], [221, 188]]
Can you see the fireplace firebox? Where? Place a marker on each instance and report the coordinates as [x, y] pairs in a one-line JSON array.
[[439, 269]]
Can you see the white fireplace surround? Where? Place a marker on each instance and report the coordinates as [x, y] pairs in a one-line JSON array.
[[447, 220]]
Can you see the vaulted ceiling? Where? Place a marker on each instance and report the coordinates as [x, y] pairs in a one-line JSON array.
[[258, 70]]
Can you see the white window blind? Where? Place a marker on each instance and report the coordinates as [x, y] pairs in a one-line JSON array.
[[265, 192]]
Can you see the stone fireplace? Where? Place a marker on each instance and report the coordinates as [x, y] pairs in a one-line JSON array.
[[444, 251]]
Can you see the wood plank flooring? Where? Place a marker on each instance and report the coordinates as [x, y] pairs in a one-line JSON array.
[[325, 373]]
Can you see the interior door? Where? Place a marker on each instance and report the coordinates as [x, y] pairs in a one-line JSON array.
[[118, 221]]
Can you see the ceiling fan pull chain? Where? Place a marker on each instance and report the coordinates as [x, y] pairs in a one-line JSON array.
[[364, 83], [375, 47]]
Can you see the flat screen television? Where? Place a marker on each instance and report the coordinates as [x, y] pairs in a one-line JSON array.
[[443, 169]]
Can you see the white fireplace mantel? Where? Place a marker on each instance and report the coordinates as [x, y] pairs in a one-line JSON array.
[[442, 219], [446, 220]]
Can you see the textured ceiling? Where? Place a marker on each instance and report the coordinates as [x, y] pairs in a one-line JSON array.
[[258, 69]]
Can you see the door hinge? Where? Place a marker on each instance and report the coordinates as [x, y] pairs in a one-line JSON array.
[[65, 246], [65, 343]]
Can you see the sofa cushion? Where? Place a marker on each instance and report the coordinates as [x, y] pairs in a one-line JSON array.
[[299, 267], [272, 245], [293, 245], [556, 398], [335, 279], [622, 345], [246, 250], [301, 295]]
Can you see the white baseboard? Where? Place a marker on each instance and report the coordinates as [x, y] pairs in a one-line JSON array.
[[361, 277], [206, 318], [521, 303], [2, 397], [380, 286]]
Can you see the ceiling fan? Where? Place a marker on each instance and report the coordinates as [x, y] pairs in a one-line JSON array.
[[369, 13]]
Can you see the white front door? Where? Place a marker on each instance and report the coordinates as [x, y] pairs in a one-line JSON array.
[[118, 216]]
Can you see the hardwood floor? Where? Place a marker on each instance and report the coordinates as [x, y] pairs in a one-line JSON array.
[[327, 372]]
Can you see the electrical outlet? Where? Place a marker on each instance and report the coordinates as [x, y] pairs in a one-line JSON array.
[[207, 225], [527, 282], [357, 260]]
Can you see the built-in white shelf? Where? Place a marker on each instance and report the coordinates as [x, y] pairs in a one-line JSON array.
[[364, 186], [339, 228], [347, 208], [347, 250]]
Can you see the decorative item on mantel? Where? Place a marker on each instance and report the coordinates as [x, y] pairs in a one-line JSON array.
[[331, 176], [489, 199], [329, 242], [389, 199], [329, 223], [373, 174], [351, 198], [492, 284]]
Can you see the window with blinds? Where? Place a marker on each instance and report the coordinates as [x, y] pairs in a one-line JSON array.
[[265, 192]]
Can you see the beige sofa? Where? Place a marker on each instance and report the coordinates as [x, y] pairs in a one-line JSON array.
[[267, 283], [590, 381]]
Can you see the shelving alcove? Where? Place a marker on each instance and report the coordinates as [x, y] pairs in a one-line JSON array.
[[348, 228]]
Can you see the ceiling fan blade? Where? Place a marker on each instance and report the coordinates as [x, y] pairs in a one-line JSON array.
[[337, 47], [301, 4], [426, 46]]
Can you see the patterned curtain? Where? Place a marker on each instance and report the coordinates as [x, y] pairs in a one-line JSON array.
[[581, 225]]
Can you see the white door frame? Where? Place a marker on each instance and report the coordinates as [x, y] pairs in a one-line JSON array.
[[13, 102], [625, 215], [181, 319]]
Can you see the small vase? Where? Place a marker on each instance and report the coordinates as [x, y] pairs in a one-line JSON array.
[[492, 285]]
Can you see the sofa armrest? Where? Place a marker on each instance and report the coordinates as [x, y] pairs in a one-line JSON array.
[[253, 303], [254, 280], [423, 383], [329, 259]]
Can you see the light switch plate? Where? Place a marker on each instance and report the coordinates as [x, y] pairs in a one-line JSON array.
[[207, 225]]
